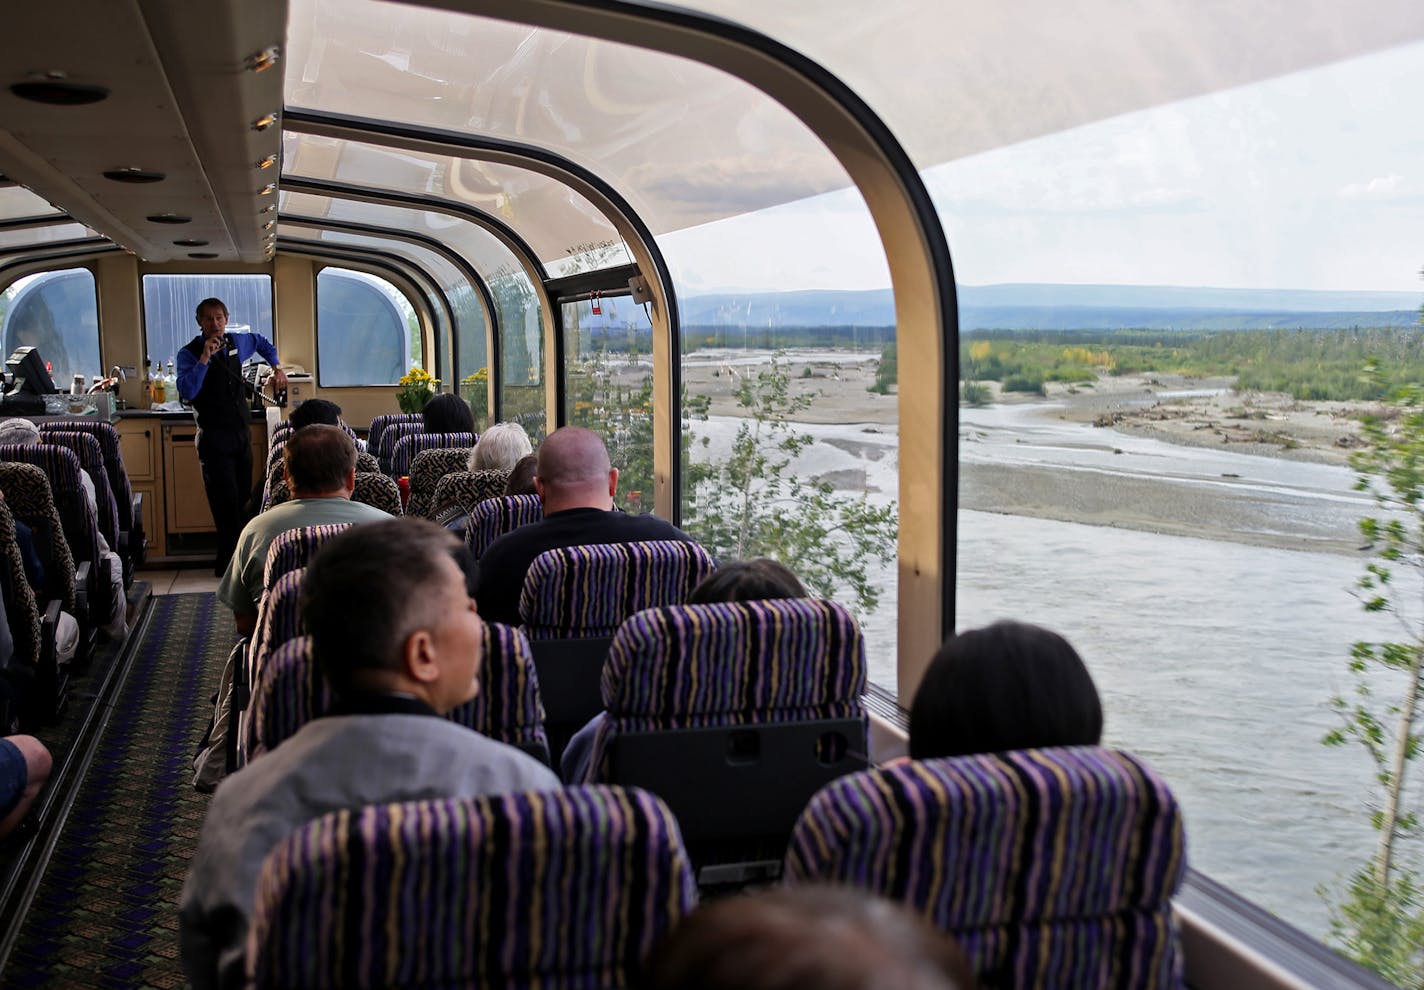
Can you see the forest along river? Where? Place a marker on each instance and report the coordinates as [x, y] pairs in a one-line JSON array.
[[1215, 657]]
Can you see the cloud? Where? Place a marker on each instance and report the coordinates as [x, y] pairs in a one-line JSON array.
[[1383, 187]]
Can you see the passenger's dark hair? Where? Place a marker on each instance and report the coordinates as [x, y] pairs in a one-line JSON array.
[[1006, 686], [212, 302], [314, 411], [800, 938], [367, 590], [448, 413], [747, 580], [319, 458], [521, 476]]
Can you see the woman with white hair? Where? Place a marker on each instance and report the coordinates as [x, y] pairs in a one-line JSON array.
[[500, 448]]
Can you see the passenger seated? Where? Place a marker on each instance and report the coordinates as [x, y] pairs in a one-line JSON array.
[[399, 640], [447, 413], [1007, 686], [24, 767], [521, 476], [821, 937], [499, 448], [576, 483], [735, 581]]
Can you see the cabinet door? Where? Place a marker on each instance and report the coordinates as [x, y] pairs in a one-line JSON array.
[[136, 443], [187, 503], [152, 516]]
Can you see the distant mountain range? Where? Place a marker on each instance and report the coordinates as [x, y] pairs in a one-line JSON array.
[[1068, 307]]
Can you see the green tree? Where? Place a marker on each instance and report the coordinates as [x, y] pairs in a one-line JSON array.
[[753, 505], [1378, 920]]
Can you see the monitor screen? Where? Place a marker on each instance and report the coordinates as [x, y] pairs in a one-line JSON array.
[[30, 372]]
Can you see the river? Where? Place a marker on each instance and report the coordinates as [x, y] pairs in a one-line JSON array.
[[1216, 658]]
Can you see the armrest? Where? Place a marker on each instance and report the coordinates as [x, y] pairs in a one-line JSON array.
[[82, 582]]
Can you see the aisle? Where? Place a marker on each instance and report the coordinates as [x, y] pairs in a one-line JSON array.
[[105, 913]]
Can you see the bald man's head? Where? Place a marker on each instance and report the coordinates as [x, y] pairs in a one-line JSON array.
[[573, 471]]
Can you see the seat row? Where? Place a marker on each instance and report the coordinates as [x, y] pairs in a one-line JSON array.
[[1053, 868], [43, 487]]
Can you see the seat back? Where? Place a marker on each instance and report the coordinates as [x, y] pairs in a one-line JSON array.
[[567, 888], [27, 490], [279, 619], [379, 424], [91, 459], [393, 434], [491, 518], [295, 548], [378, 490], [426, 470], [734, 714], [1053, 867], [21, 609], [291, 691], [108, 439], [275, 490], [573, 601], [406, 449], [460, 491]]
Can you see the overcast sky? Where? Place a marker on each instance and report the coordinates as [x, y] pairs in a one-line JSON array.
[[1310, 181]]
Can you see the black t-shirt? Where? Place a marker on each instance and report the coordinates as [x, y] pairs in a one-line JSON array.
[[501, 569]]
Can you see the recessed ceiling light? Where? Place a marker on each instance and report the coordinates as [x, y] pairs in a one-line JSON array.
[[269, 225], [267, 162], [269, 208], [263, 60], [265, 121], [133, 175], [58, 92], [268, 189], [191, 242], [168, 218], [202, 255]]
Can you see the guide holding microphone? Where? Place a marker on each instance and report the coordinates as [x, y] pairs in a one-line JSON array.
[[210, 379]]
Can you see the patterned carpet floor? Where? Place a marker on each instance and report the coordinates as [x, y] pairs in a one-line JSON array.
[[105, 914]]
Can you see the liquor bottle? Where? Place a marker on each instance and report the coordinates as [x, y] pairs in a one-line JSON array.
[[147, 381]]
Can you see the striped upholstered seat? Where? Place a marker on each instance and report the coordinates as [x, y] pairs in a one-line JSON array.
[[587, 591], [379, 424], [1053, 867], [558, 889], [405, 451], [291, 692], [426, 471], [738, 663], [370, 488], [108, 439], [27, 490], [493, 517], [365, 463], [81, 527], [279, 620], [457, 493], [575, 598], [91, 459], [392, 435], [295, 548]]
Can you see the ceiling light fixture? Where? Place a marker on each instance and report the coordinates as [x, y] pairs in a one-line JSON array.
[[265, 121], [202, 255], [191, 242], [54, 89], [168, 218], [268, 189], [263, 60], [269, 208], [137, 175], [269, 225], [267, 162]]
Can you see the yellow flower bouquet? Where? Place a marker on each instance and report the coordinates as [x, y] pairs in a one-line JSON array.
[[417, 387]]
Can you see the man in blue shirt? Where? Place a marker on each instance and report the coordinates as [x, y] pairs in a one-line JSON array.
[[209, 369]]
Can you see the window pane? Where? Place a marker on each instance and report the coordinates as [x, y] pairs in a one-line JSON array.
[[367, 332], [57, 312], [522, 340], [608, 386], [170, 304]]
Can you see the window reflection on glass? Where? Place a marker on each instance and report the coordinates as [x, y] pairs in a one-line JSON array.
[[522, 350], [58, 313], [170, 304], [367, 332], [608, 385]]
